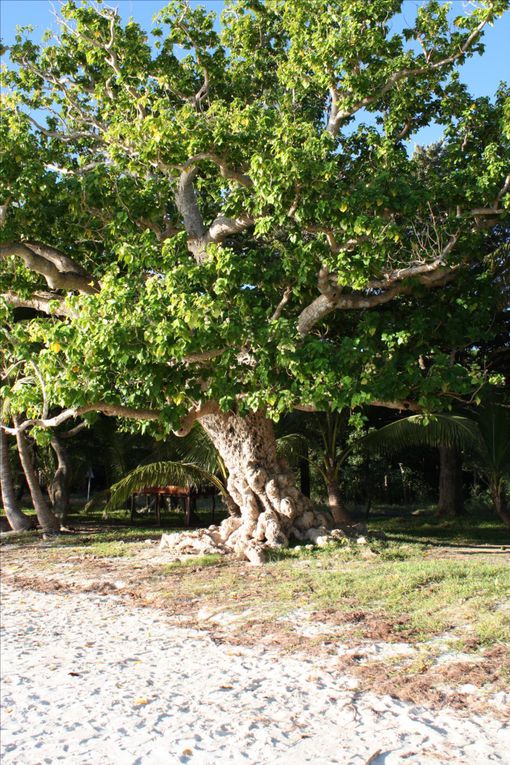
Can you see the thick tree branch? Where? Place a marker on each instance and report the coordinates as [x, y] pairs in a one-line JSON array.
[[430, 275], [112, 410], [40, 301], [59, 270], [222, 227], [208, 407], [199, 237]]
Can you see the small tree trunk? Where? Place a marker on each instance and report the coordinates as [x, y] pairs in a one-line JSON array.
[[450, 503], [262, 486], [335, 503], [304, 475], [47, 519], [500, 503], [18, 521], [58, 490]]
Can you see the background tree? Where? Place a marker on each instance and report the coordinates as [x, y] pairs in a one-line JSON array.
[[211, 236]]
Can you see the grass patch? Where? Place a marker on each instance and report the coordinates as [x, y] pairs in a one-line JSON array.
[[416, 585]]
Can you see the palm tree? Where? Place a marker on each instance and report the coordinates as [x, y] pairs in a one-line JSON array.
[[485, 433], [326, 432], [161, 474]]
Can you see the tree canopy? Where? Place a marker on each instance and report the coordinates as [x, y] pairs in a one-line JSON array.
[[229, 215]]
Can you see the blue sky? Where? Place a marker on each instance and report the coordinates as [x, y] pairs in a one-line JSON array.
[[482, 74]]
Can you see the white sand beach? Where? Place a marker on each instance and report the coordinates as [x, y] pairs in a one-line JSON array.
[[88, 680]]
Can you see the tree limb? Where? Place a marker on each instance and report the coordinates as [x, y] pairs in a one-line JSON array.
[[59, 270], [208, 407], [430, 275], [337, 115], [40, 301], [112, 410]]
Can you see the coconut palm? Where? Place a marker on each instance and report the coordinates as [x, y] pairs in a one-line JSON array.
[[484, 433]]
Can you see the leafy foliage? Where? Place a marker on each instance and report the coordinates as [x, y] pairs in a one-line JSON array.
[[216, 185]]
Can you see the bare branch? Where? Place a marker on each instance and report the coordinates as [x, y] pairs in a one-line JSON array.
[[112, 410], [222, 227], [73, 431], [337, 114], [333, 299], [287, 294], [502, 192]]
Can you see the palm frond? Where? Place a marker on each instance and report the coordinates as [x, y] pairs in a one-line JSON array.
[[160, 474], [292, 447], [494, 425], [440, 430], [198, 449]]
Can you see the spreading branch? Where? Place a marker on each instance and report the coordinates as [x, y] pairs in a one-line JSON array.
[[45, 302], [112, 410], [59, 271], [332, 298], [337, 115]]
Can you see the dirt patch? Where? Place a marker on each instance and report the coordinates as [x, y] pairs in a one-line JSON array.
[[464, 685], [226, 600]]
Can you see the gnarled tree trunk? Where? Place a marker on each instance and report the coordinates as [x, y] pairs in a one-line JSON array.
[[18, 521], [451, 503], [47, 519], [272, 507]]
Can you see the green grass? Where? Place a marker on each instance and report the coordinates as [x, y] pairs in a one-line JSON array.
[[421, 578]]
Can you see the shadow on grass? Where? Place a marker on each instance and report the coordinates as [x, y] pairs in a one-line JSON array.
[[480, 526]]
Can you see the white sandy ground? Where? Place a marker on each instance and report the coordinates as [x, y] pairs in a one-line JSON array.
[[88, 680]]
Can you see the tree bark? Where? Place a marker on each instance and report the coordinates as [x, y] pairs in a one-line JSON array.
[[304, 475], [58, 489], [272, 508], [500, 503], [18, 521], [335, 502], [47, 519], [451, 503]]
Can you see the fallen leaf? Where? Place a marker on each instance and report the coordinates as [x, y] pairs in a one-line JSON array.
[[141, 702]]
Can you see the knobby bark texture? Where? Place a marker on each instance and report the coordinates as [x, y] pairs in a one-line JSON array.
[[451, 502], [272, 509], [18, 521], [47, 519]]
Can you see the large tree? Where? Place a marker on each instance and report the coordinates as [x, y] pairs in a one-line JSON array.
[[225, 222]]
